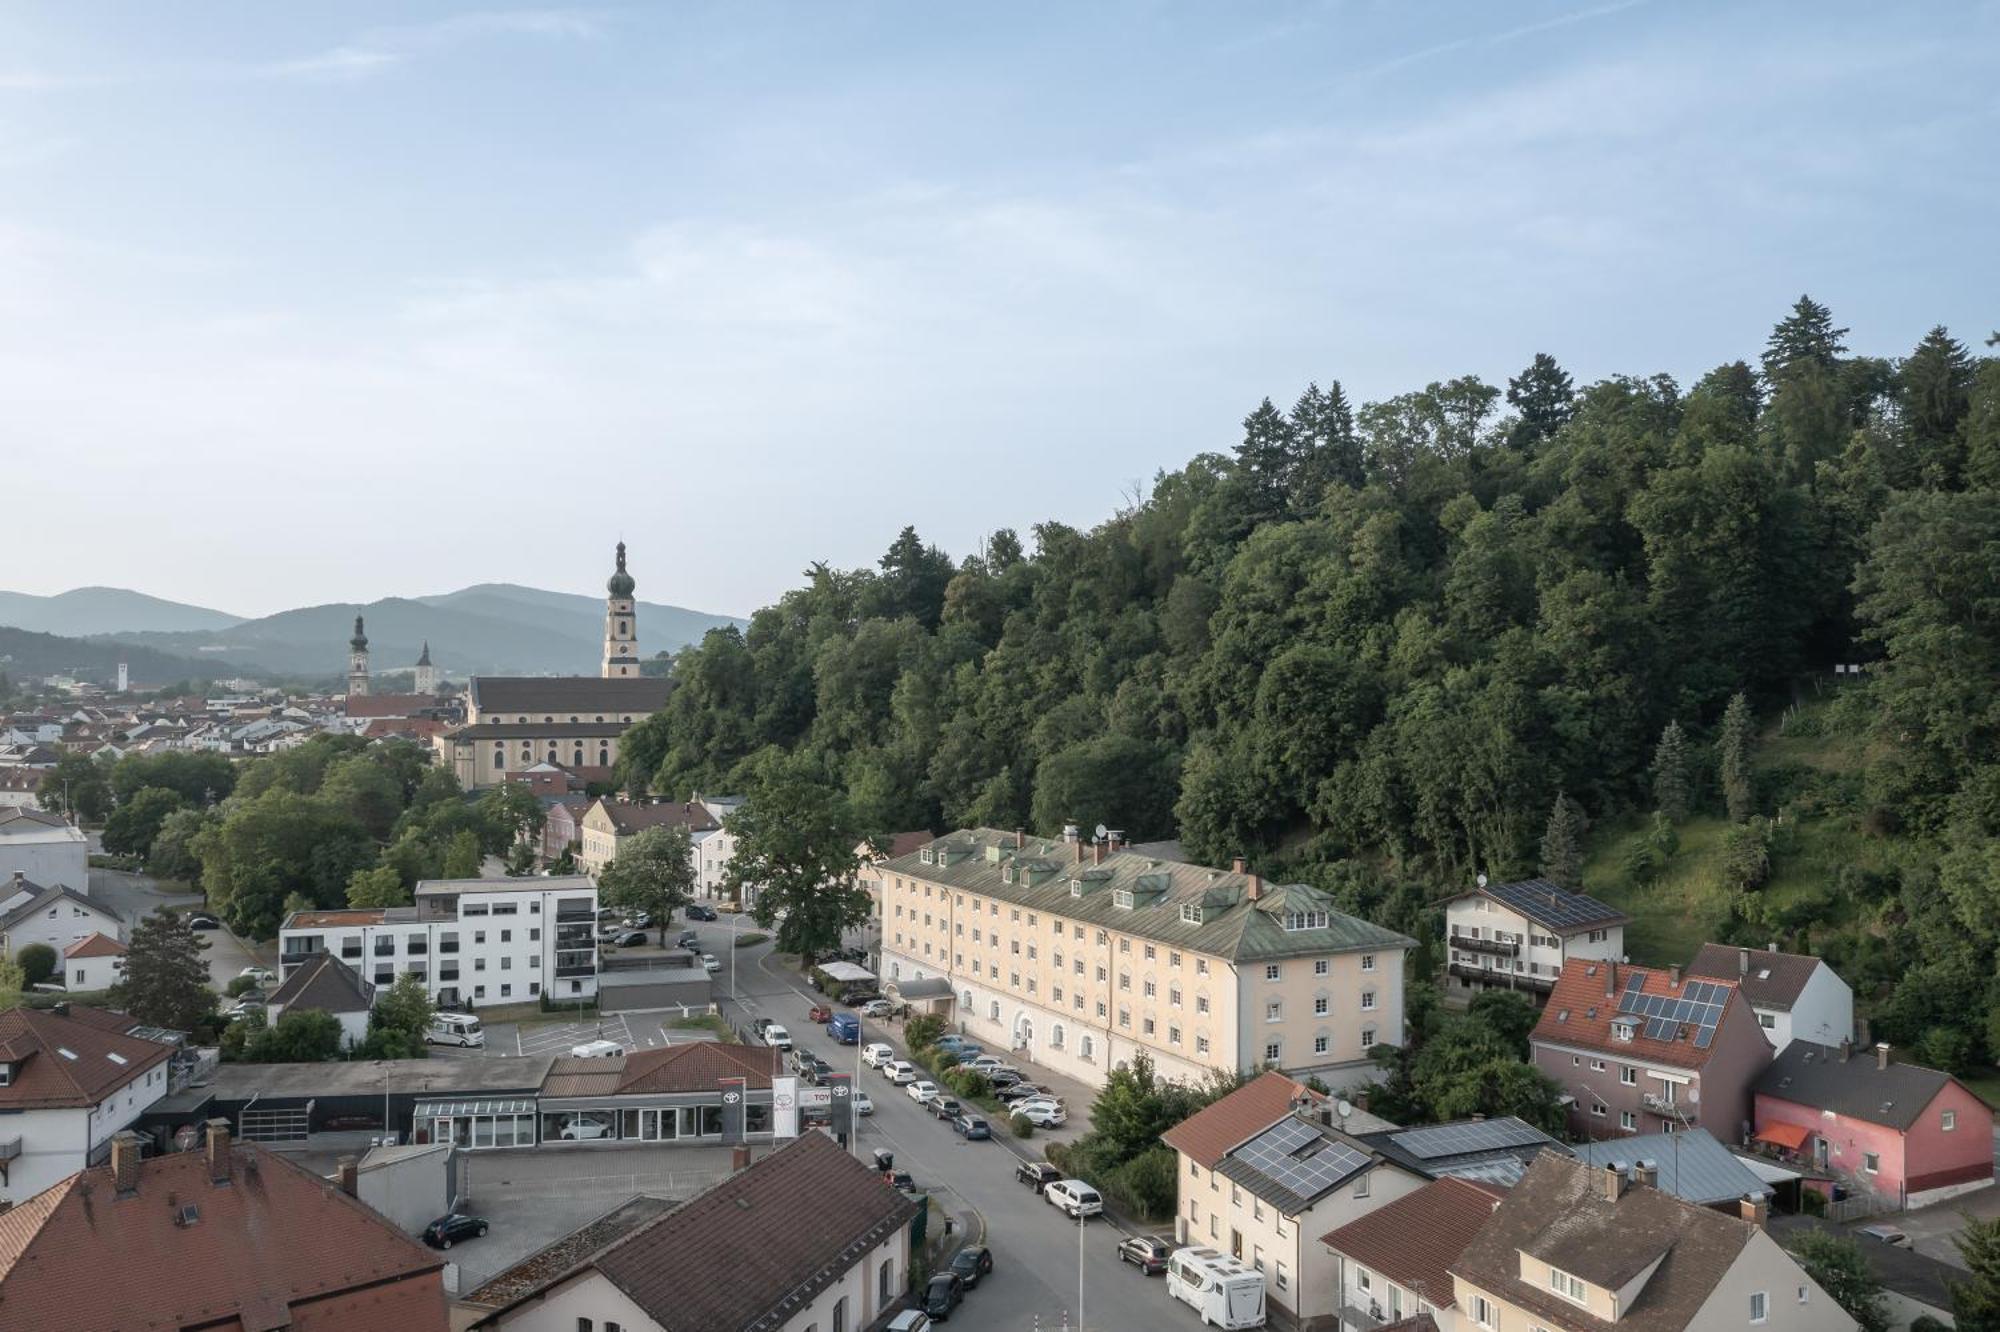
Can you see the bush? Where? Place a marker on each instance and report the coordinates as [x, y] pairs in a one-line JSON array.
[[238, 984], [921, 1033], [968, 1084], [750, 940], [1146, 1184], [1022, 1128], [37, 962]]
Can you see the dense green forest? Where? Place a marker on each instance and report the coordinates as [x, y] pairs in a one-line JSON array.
[[1384, 647]]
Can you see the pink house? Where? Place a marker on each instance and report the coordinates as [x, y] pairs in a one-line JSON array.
[[1900, 1130]]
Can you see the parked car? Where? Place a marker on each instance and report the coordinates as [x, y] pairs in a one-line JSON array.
[[1075, 1197], [1042, 1115], [900, 1071], [776, 1036], [816, 1071], [1020, 1091], [942, 1295], [923, 1090], [1001, 1079], [757, 1026], [1038, 1103], [820, 1013], [862, 1105], [855, 998], [639, 920], [1148, 1252], [845, 1028], [899, 1179], [699, 911], [1037, 1175], [244, 1009], [971, 1127], [1887, 1234], [596, 1050], [262, 975], [992, 1066], [944, 1107], [687, 939], [910, 1320], [877, 1054], [201, 920], [580, 1129], [625, 938], [971, 1263], [709, 964], [875, 1008], [452, 1227]]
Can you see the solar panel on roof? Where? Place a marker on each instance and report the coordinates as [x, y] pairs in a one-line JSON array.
[[1461, 1139], [1704, 1037], [1297, 1158]]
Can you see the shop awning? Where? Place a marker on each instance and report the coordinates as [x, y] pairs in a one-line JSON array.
[[1791, 1137], [926, 987]]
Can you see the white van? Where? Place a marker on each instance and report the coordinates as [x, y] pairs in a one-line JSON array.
[[877, 1054], [596, 1050], [455, 1029], [1075, 1197], [777, 1037], [1227, 1292]]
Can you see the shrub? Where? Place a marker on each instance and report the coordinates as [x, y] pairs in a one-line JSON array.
[[922, 1032], [750, 940], [37, 962], [968, 1084], [1022, 1128], [1147, 1183], [239, 984]]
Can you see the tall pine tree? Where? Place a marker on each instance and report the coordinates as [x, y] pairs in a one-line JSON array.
[[1975, 1304], [1805, 336], [1672, 789], [1562, 844], [1268, 459], [1541, 396], [166, 978], [1732, 754], [1329, 452], [1934, 393]]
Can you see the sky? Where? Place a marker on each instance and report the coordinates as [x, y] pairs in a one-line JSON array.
[[325, 302]]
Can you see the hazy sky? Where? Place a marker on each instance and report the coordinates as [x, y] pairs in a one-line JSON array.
[[304, 303]]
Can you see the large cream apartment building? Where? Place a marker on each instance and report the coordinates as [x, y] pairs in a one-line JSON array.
[[1079, 955]]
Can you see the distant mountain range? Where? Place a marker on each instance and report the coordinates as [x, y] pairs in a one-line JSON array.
[[491, 628], [24, 654]]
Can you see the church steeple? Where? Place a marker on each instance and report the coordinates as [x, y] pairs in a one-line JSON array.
[[424, 679], [621, 647], [357, 662]]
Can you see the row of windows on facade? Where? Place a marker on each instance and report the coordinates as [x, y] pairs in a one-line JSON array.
[[1510, 936], [525, 720], [1277, 1274], [528, 752], [1191, 912], [1486, 1313]]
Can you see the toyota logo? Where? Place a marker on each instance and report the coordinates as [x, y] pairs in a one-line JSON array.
[[731, 1098]]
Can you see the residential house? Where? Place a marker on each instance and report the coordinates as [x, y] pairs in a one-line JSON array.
[[20, 786], [325, 983], [1793, 996], [1578, 1248], [1914, 1285], [716, 848], [471, 941], [1263, 1171], [1691, 1165], [805, 1240], [1517, 936], [608, 824], [94, 962], [44, 847], [1082, 954], [70, 1077], [1395, 1262], [228, 1237], [671, 1094], [1492, 1152], [1645, 1051], [56, 916], [1900, 1131], [562, 817], [871, 855]]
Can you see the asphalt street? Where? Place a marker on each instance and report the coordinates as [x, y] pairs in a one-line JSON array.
[[136, 896], [1036, 1253]]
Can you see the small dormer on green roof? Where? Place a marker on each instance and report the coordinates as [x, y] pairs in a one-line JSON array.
[[1035, 873], [1219, 897]]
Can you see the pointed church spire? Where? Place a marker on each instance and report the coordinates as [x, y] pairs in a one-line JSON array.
[[425, 658]]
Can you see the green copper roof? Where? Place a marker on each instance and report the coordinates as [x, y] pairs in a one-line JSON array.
[[620, 583]]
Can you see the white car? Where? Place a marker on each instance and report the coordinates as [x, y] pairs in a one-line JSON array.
[[1042, 1115], [877, 1008], [262, 975], [596, 1050], [862, 1105], [709, 964], [900, 1071], [923, 1091], [878, 1054], [1073, 1196], [777, 1037], [584, 1130]]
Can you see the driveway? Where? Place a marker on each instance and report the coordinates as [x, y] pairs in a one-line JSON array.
[[135, 896]]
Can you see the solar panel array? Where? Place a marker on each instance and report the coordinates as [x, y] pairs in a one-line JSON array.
[[1555, 907], [1486, 1135], [1285, 1153], [1699, 1005]]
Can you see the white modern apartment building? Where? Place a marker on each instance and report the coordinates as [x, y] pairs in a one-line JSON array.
[[1081, 954], [471, 941], [1516, 936]]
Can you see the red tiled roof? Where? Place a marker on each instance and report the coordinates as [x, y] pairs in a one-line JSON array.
[[386, 727], [275, 1246], [1206, 1135], [64, 1061], [1586, 997], [95, 945], [1414, 1240], [390, 705], [630, 818]]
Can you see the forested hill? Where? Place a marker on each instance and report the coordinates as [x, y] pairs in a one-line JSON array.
[[1370, 644]]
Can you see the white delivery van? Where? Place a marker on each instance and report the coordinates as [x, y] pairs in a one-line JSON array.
[[1227, 1292], [596, 1050], [455, 1029]]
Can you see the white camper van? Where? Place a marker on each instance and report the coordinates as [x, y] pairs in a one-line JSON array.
[[1227, 1292], [455, 1029]]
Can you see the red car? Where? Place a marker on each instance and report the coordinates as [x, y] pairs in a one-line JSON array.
[[821, 1013]]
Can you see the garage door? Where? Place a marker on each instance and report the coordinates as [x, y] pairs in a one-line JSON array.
[[273, 1127]]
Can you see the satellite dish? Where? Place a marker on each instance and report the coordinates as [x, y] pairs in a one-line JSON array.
[[1482, 881], [1102, 832], [1345, 1107]]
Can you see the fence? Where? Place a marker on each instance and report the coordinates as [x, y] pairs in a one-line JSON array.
[[1859, 1204]]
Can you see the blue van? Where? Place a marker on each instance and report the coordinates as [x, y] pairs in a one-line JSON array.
[[844, 1028]]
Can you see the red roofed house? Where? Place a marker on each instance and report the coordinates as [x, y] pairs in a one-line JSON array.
[[1395, 1262], [69, 1079], [228, 1238], [607, 823], [1645, 1051], [94, 962]]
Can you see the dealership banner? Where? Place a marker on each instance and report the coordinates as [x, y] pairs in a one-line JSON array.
[[784, 1107]]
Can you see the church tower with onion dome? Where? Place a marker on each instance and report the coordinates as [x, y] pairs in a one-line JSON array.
[[621, 647], [357, 662]]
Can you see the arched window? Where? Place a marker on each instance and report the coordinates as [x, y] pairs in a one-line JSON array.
[[603, 756], [1087, 1046], [885, 1282], [1056, 1036], [840, 1315]]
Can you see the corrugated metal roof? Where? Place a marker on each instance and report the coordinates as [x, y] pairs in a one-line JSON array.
[[1693, 1165]]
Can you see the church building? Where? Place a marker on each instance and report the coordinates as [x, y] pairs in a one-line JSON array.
[[574, 722]]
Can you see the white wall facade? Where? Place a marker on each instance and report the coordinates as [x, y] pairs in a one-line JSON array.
[[92, 973], [411, 1190], [46, 856], [1823, 1013], [1542, 952], [61, 923], [59, 1142]]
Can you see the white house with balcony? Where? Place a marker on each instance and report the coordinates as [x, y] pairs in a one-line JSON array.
[[1516, 936], [470, 941], [69, 1079]]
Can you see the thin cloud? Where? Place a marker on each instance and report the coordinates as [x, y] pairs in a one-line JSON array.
[[1499, 38], [343, 64], [379, 50]]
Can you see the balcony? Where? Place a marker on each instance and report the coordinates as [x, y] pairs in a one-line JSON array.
[[1516, 980], [289, 960], [1498, 947], [1656, 1104], [575, 969]]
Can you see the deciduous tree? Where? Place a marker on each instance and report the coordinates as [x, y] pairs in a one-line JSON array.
[[654, 872], [795, 855]]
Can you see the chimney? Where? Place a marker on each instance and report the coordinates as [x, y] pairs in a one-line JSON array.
[[126, 1149], [1070, 833], [1742, 962], [1881, 1054], [739, 1156], [1256, 888], [1020, 838], [1117, 839], [1614, 1182], [1647, 1173], [1236, 866], [1861, 1032], [1610, 978], [1772, 947], [20, 877], [1757, 1211], [218, 1151], [1097, 853], [1674, 977], [1360, 1099], [1079, 851], [348, 1172]]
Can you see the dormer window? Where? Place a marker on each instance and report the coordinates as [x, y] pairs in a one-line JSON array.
[[1191, 913], [6, 1075], [1623, 1030], [1076, 887], [1122, 898], [929, 858], [1305, 920], [1569, 1287]]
